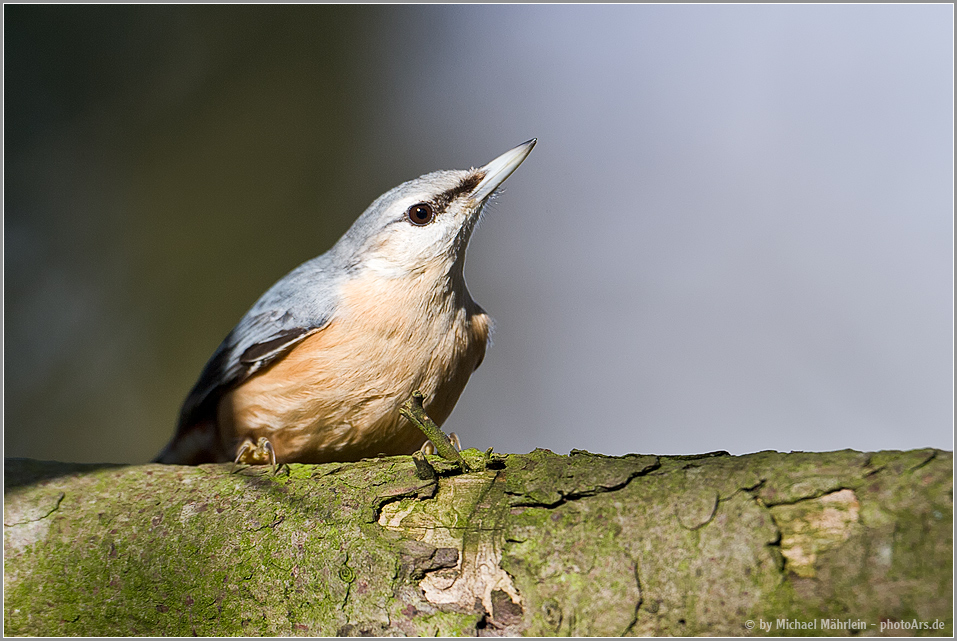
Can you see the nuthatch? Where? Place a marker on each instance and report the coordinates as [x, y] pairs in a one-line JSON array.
[[317, 369]]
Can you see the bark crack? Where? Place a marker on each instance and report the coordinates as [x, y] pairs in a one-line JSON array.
[[641, 599], [56, 507], [425, 491], [575, 496], [272, 525], [933, 455], [774, 545], [797, 547], [810, 497]]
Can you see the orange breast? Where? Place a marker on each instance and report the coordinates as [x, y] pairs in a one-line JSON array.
[[335, 396]]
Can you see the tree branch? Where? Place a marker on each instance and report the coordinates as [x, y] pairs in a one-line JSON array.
[[536, 544]]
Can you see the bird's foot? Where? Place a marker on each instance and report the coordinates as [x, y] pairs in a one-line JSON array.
[[259, 453]]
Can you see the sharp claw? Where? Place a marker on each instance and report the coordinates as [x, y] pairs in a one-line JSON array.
[[245, 447], [266, 446]]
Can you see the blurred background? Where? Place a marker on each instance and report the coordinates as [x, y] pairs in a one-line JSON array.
[[735, 232]]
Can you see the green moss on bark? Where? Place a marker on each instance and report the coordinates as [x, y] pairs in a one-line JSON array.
[[526, 544]]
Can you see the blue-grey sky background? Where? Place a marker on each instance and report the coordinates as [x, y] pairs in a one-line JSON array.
[[735, 233]]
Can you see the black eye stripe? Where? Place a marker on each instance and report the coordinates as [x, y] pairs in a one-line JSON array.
[[464, 187], [423, 213], [420, 214]]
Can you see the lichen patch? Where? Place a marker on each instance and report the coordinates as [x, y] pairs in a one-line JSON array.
[[813, 526], [455, 518], [25, 521]]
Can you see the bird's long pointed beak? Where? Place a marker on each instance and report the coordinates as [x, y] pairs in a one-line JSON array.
[[501, 168]]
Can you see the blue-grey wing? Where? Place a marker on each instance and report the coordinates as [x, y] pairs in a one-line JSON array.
[[300, 304]]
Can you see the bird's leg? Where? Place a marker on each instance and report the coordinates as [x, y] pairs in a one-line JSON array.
[[413, 410], [262, 453]]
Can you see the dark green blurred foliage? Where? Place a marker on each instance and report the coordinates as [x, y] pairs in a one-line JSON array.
[[164, 165]]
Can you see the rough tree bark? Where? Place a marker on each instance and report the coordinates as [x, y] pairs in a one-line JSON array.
[[536, 544]]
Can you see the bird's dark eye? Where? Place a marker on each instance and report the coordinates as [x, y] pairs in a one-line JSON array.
[[420, 214]]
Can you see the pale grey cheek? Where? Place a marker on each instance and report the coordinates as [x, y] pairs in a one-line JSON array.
[[402, 248], [384, 267], [423, 240]]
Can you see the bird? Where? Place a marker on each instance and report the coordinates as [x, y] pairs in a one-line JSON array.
[[318, 368]]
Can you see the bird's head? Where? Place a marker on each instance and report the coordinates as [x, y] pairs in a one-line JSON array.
[[425, 224]]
